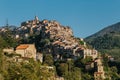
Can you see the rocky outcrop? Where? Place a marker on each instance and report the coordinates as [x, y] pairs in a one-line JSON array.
[[64, 43]]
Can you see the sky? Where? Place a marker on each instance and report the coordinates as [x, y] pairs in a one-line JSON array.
[[85, 17]]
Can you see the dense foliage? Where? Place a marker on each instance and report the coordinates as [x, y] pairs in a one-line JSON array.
[[6, 40], [69, 69], [31, 70], [107, 40], [109, 43]]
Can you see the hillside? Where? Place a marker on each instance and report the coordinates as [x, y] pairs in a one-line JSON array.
[[61, 55], [107, 40], [49, 36], [115, 28]]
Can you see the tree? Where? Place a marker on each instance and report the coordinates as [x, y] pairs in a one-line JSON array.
[[3, 43], [77, 73], [87, 76], [3, 64], [74, 74], [114, 69], [8, 38], [113, 73], [70, 64], [78, 63], [81, 42], [62, 69], [48, 59]]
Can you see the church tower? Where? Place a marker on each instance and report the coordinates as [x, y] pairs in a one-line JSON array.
[[36, 18]]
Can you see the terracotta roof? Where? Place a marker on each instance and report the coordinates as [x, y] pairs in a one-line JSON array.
[[57, 42], [22, 46], [98, 72], [79, 49]]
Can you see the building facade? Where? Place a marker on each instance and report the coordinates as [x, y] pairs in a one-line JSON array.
[[99, 74], [26, 50]]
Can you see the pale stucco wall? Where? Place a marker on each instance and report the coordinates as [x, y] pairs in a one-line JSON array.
[[21, 52], [32, 51], [29, 52]]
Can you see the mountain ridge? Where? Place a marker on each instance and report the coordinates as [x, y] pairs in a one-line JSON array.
[[107, 40], [106, 30]]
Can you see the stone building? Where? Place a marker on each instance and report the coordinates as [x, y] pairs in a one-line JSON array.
[[8, 50], [84, 52], [90, 52], [26, 50], [39, 56], [99, 74]]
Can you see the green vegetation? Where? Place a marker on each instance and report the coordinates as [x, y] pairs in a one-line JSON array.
[[31, 70], [82, 42], [48, 59], [69, 69], [111, 68], [6, 40], [107, 40], [107, 44]]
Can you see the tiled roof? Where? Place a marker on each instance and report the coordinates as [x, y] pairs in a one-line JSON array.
[[22, 46], [98, 72]]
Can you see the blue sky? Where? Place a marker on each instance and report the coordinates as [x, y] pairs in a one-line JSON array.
[[85, 17]]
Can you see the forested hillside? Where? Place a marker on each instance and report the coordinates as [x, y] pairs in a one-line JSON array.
[[107, 40]]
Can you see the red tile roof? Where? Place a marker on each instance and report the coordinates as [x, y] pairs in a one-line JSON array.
[[22, 46], [98, 72]]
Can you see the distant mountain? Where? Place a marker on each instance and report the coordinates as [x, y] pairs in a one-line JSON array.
[[107, 40], [115, 28]]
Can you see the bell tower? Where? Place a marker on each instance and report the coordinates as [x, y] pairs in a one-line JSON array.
[[36, 18]]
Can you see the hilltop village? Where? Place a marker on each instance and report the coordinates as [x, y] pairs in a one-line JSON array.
[[37, 39]]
